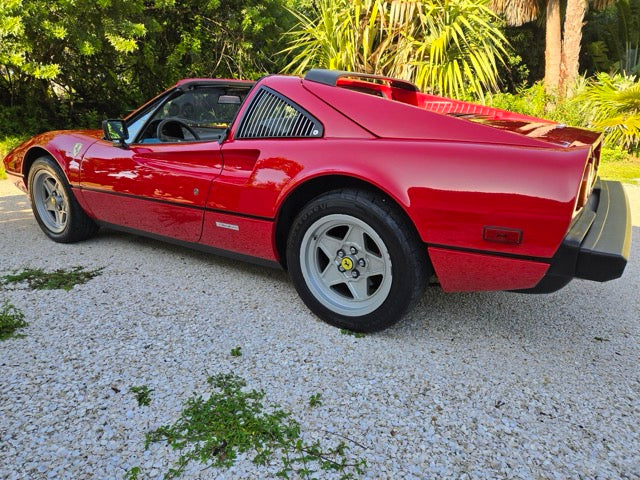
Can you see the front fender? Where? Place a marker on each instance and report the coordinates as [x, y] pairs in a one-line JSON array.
[[66, 147]]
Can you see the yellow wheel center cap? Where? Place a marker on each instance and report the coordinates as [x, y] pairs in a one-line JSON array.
[[347, 263]]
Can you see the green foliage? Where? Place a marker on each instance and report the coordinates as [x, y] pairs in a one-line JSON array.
[[11, 319], [613, 154], [612, 39], [535, 102], [10, 142], [142, 394], [21, 121], [236, 352], [109, 56], [63, 279], [612, 103], [232, 421], [450, 47], [6, 145], [315, 400], [525, 62], [345, 331], [133, 473]]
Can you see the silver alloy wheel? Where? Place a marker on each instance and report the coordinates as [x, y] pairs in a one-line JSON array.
[[346, 265], [51, 201]]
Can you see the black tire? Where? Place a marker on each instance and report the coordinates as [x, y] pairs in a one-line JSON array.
[[377, 251], [55, 207]]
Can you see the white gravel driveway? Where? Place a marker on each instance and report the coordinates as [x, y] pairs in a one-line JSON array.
[[483, 385]]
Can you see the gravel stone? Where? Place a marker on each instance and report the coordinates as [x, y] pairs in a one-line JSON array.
[[469, 386]]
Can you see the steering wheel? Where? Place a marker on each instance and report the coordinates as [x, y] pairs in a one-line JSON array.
[[170, 130]]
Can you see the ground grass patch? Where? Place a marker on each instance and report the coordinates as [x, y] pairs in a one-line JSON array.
[[60, 279], [11, 319], [624, 171], [230, 420]]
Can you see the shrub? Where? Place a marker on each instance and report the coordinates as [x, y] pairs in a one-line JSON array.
[[612, 103], [613, 154]]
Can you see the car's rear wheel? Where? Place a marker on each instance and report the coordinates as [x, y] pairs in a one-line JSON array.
[[356, 261], [56, 210]]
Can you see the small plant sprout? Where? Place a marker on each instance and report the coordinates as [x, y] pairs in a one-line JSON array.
[[133, 473], [215, 428], [143, 395], [11, 319], [61, 279], [315, 400], [344, 331], [236, 352]]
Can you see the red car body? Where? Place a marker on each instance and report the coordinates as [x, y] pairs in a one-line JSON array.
[[493, 195]]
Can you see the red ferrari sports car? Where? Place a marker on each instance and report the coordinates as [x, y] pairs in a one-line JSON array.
[[361, 186]]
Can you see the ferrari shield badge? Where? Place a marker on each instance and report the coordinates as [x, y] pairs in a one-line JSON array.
[[76, 149]]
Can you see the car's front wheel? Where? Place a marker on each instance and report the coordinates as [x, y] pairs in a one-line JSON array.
[[54, 206], [356, 261]]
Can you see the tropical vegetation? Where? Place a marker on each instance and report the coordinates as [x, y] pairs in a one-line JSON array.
[[450, 47], [563, 34]]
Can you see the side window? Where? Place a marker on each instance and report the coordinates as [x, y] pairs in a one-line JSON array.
[[271, 115], [199, 114]]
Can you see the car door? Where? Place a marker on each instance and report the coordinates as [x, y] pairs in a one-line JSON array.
[[159, 189], [158, 183]]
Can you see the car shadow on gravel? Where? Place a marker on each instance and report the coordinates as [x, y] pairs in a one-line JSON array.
[[500, 330], [582, 314]]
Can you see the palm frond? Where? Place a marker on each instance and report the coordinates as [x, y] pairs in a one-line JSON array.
[[615, 103], [517, 12], [451, 47]]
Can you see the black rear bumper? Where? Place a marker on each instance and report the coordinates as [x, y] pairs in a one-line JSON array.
[[598, 243]]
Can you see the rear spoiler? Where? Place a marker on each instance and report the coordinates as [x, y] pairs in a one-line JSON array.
[[330, 77]]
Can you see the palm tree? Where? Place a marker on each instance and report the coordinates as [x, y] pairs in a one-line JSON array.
[[450, 47], [562, 42]]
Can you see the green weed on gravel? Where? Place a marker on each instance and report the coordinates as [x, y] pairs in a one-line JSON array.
[[345, 331], [63, 279], [232, 421], [315, 400], [11, 319], [133, 473], [143, 395]]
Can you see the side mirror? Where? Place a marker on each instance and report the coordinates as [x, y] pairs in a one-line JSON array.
[[116, 131]]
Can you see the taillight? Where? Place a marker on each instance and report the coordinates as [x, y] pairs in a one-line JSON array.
[[588, 178]]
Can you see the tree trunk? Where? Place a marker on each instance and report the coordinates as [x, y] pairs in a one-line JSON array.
[[574, 20], [553, 47]]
